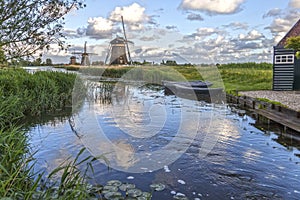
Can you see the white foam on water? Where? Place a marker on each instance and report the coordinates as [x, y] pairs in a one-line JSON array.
[[173, 192], [166, 168], [180, 194]]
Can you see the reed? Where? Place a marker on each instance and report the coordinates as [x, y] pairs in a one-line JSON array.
[[23, 94], [33, 94]]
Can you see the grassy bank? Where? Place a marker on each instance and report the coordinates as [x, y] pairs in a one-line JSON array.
[[25, 94], [234, 76], [22, 95]]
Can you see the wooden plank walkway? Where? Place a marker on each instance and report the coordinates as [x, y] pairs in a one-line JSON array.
[[281, 118]]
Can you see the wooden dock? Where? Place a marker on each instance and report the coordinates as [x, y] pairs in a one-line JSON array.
[[280, 118], [288, 118]]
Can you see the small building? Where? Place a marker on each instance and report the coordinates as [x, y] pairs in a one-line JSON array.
[[286, 67], [73, 60]]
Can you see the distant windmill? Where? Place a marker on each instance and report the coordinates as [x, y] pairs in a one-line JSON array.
[[118, 53], [85, 56]]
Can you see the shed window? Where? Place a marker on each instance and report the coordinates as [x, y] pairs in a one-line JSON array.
[[284, 59]]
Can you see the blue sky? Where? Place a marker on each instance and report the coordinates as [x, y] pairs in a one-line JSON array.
[[196, 31]]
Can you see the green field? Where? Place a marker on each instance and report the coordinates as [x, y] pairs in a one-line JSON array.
[[234, 76]]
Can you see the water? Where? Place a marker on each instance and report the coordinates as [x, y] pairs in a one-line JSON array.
[[201, 150]]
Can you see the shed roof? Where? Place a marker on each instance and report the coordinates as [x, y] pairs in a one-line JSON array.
[[294, 31]]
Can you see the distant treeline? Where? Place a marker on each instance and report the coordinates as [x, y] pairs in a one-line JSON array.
[[249, 65]]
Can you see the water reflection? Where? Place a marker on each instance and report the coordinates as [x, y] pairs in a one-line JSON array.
[[158, 133], [227, 157], [124, 154]]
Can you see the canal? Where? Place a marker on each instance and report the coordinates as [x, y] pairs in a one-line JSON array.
[[196, 149]]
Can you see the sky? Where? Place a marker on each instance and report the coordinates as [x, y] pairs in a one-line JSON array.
[[188, 31]]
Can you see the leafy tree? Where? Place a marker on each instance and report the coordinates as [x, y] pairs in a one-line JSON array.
[[37, 62], [27, 26], [171, 62], [294, 43]]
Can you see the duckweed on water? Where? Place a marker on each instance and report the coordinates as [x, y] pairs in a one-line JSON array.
[[157, 186], [126, 186], [116, 183], [115, 189], [134, 192]]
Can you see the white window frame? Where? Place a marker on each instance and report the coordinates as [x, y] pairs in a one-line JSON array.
[[285, 59]]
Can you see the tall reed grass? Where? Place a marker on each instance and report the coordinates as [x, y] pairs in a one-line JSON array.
[[22, 95]]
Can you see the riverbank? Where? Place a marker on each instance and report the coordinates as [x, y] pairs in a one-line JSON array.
[[277, 106], [290, 99], [24, 95]]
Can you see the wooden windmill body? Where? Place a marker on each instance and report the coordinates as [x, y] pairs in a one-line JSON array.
[[118, 53]]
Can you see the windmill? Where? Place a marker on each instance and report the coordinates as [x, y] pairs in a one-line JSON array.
[[85, 56], [118, 53]]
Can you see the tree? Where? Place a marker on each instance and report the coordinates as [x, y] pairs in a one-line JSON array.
[[37, 62], [27, 26], [171, 63], [294, 43]]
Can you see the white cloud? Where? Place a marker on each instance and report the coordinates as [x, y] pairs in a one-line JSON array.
[[294, 3], [134, 15], [171, 27], [273, 13], [213, 7], [252, 35], [206, 31], [99, 27], [236, 25], [280, 25], [279, 28], [195, 17]]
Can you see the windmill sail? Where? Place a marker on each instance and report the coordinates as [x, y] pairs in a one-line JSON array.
[[126, 39]]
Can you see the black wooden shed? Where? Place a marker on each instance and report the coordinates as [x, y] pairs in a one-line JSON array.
[[286, 67]]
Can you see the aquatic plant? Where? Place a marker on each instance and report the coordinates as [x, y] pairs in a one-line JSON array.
[[32, 94]]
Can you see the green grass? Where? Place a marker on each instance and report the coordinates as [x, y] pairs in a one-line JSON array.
[[33, 94], [241, 79], [271, 102], [232, 76]]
